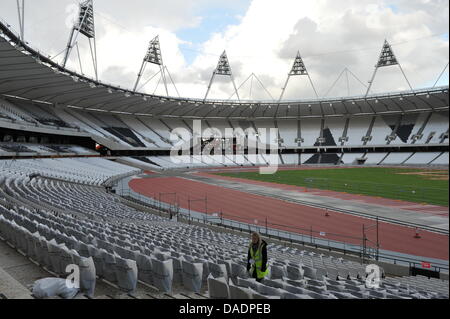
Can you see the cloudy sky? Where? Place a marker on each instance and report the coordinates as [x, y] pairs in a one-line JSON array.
[[260, 37]]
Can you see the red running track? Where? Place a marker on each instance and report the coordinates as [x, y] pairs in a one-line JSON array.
[[248, 207], [400, 204]]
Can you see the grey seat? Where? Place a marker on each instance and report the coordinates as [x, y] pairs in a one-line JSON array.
[[238, 270], [289, 295], [144, 265], [87, 273], [257, 295], [294, 272], [65, 258], [294, 290], [278, 272], [162, 273], [55, 259], [218, 270], [239, 292], [97, 256], [268, 291], [109, 262], [44, 257], [177, 270], [82, 249], [248, 283], [126, 274], [310, 272], [275, 283], [192, 275], [321, 273], [319, 290], [218, 287], [343, 295], [377, 294]]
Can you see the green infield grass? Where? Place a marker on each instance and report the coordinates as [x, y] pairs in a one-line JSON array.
[[414, 185]]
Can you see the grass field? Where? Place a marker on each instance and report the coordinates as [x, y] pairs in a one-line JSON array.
[[414, 185]]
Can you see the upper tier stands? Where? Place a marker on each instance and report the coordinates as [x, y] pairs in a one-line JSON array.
[[30, 149], [146, 132], [22, 111]]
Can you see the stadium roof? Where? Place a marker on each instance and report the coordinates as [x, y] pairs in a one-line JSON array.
[[27, 73]]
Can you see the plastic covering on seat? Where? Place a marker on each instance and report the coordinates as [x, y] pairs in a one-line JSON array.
[[257, 295], [97, 256], [310, 272], [238, 270], [294, 290], [144, 264], [192, 275], [44, 257], [294, 272], [275, 283], [126, 274], [87, 273], [177, 270], [239, 292], [66, 258], [109, 262], [289, 295], [248, 283], [54, 253], [218, 287], [278, 272], [162, 272], [218, 270]]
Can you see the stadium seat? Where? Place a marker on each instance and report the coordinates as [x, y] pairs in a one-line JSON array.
[[217, 287], [192, 276], [144, 265], [162, 273], [126, 274], [109, 262], [218, 271], [239, 292], [87, 273]]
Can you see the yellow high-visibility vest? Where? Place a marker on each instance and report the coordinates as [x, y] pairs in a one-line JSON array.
[[257, 257]]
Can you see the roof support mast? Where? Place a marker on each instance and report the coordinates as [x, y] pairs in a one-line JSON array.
[[153, 56], [387, 58], [440, 75], [21, 14], [223, 68], [298, 68], [86, 27]]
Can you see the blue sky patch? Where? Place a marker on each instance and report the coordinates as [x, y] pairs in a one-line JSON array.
[[215, 19]]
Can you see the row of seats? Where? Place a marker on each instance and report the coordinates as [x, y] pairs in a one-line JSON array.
[[93, 171]]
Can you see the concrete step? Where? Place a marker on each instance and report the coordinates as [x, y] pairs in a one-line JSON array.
[[10, 288]]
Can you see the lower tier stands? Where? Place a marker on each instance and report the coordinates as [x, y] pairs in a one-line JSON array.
[[110, 240]]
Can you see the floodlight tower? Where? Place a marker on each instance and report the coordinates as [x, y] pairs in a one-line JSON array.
[[298, 68], [387, 58], [223, 68], [85, 26], [153, 56], [21, 14]]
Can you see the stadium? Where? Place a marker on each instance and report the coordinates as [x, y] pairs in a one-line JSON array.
[[155, 196]]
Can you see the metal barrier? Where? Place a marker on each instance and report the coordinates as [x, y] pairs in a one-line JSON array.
[[307, 237]]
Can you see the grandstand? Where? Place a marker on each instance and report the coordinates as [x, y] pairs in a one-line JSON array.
[[65, 201]]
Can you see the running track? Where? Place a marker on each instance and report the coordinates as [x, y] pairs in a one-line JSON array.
[[423, 208], [253, 207]]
